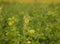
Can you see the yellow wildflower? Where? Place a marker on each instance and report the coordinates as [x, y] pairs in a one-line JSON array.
[[28, 42], [32, 31], [10, 23], [26, 20]]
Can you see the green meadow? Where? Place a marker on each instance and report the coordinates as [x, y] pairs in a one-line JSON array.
[[34, 23]]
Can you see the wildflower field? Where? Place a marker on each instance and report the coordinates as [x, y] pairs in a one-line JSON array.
[[33, 23]]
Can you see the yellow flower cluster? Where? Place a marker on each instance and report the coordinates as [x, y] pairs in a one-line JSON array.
[[28, 42], [26, 20], [32, 31], [10, 23]]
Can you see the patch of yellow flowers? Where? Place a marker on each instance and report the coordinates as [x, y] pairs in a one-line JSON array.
[[32, 31], [26, 20], [10, 23], [28, 42]]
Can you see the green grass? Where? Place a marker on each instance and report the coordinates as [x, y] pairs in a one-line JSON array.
[[44, 19]]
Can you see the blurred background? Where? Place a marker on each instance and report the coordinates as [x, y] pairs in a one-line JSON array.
[[31, 1]]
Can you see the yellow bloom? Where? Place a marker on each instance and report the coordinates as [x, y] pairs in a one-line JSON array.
[[26, 20], [10, 23], [32, 31], [28, 42]]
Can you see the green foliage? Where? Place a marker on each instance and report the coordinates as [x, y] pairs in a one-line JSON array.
[[44, 20]]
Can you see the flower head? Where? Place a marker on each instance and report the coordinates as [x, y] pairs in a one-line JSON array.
[[26, 20], [10, 23], [32, 31], [28, 42]]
